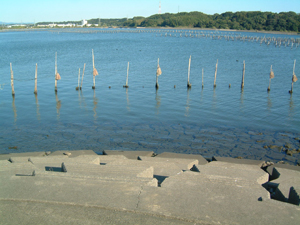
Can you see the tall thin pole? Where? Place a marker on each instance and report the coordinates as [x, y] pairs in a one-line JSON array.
[[216, 70], [243, 78], [126, 85], [189, 85], [158, 73], [55, 71], [294, 78], [35, 80], [77, 88], [271, 77], [94, 80], [12, 81], [82, 76]]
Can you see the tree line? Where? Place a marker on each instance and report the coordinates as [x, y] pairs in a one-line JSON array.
[[254, 20], [284, 21]]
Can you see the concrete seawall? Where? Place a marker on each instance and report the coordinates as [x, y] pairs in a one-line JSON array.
[[139, 187]]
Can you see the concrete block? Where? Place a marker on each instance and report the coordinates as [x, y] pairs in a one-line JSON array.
[[108, 170], [129, 154], [74, 153], [75, 191], [294, 196], [245, 172], [287, 166], [83, 159], [238, 161], [23, 154], [110, 158], [184, 164], [201, 160], [14, 212], [161, 169], [198, 197], [288, 180]]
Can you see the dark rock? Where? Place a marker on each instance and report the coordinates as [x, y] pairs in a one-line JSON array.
[[273, 146], [287, 146], [288, 152]]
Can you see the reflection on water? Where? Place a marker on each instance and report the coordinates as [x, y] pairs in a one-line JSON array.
[[127, 100], [14, 109], [58, 106], [242, 97], [187, 105], [38, 115], [81, 99], [158, 101], [291, 104], [269, 102], [214, 101], [95, 102]]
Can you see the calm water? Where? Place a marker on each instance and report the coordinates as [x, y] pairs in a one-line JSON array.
[[212, 122]]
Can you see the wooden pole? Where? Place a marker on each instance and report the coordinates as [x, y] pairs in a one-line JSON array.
[[294, 78], [77, 88], [271, 76], [189, 85], [216, 70], [126, 85], [94, 80], [12, 81], [35, 80], [243, 78], [82, 77], [55, 71], [157, 74]]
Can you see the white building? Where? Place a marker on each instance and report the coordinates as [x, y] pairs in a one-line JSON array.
[[83, 22]]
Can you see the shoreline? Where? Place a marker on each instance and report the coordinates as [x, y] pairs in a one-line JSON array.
[[162, 28]]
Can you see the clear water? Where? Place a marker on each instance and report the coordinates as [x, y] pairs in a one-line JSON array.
[[212, 122]]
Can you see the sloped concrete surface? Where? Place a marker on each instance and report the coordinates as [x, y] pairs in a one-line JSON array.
[[79, 188]]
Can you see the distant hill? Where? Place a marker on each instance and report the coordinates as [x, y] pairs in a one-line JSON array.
[[253, 20], [256, 20]]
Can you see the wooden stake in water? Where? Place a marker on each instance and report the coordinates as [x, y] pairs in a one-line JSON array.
[[243, 78], [95, 72], [35, 80], [126, 85], [12, 81], [77, 88], [158, 73], [216, 70], [294, 78], [271, 77], [57, 76], [82, 76], [189, 85]]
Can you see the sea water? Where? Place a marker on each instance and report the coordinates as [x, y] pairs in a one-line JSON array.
[[222, 121]]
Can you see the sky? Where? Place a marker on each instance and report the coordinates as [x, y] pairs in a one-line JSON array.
[[23, 11]]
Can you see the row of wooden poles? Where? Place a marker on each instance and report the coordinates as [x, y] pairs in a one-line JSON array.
[[158, 73], [278, 41]]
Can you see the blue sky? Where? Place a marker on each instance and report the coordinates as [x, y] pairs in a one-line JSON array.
[[65, 10]]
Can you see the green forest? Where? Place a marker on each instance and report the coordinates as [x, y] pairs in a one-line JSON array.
[[255, 20], [284, 21]]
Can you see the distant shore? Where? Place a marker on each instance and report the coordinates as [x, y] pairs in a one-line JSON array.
[[162, 28]]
